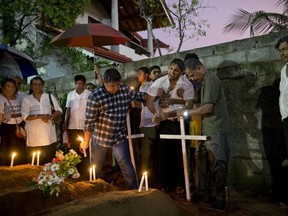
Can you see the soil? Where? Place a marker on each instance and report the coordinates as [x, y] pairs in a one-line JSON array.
[[19, 195]]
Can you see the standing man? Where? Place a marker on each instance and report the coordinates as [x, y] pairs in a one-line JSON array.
[[18, 81], [106, 112], [170, 154], [282, 47], [75, 117], [215, 124]]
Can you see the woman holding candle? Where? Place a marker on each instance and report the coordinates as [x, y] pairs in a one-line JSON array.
[[37, 112], [10, 115]]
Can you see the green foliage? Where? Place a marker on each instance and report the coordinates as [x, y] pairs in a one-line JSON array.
[[77, 60], [17, 16]]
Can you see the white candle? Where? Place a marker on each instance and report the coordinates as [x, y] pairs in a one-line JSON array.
[[94, 172], [141, 183], [33, 158], [90, 172], [38, 158], [146, 181], [12, 159]]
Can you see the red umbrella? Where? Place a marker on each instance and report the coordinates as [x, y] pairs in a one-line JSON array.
[[89, 35]]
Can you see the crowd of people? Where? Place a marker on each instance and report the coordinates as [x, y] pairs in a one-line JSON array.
[[98, 114]]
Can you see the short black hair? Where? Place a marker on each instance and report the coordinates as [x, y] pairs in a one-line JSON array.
[[91, 84], [191, 55], [144, 69], [178, 62], [281, 40], [112, 75], [80, 77], [193, 63], [36, 78], [6, 80], [154, 67]]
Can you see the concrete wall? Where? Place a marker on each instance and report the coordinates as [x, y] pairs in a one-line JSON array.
[[249, 70]]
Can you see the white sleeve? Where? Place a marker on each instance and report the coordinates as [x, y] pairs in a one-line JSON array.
[[25, 108]]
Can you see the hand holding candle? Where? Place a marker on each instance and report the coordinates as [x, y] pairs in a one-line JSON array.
[[12, 159], [81, 145]]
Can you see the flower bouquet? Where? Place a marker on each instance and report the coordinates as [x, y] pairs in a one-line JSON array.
[[54, 173]]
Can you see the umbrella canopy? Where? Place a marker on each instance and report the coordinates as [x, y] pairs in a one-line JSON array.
[[16, 63], [89, 35]]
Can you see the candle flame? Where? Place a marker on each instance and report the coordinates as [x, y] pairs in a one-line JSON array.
[[132, 87], [13, 154], [145, 173], [80, 139]]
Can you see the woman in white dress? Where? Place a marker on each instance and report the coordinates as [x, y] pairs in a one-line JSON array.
[[37, 112]]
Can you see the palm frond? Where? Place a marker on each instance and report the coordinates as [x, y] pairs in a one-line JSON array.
[[259, 22], [284, 4]]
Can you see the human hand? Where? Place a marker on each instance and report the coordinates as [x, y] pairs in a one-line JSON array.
[[45, 117], [158, 117], [82, 147], [160, 92], [182, 113]]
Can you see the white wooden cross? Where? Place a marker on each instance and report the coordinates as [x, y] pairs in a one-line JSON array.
[[183, 138], [130, 137]]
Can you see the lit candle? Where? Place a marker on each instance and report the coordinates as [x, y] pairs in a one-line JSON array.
[[90, 172], [146, 181], [12, 159], [132, 87], [141, 182], [33, 158], [38, 158], [94, 172], [82, 140]]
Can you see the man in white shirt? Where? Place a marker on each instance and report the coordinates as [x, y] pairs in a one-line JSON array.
[[170, 162], [75, 117]]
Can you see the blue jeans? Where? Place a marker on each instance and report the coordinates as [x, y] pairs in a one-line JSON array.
[[121, 154]]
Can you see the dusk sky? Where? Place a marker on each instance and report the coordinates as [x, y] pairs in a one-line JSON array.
[[218, 17]]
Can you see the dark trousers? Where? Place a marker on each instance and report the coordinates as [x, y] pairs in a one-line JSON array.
[[171, 172], [11, 143]]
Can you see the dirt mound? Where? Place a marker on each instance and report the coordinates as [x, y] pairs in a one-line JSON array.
[[19, 195]]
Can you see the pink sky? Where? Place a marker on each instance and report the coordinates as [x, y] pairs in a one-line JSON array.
[[218, 17]]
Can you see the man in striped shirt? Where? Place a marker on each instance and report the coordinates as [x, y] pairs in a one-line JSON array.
[[105, 121]]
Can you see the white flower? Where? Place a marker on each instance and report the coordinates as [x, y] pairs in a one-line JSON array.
[[73, 152], [54, 174], [76, 175], [54, 167]]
